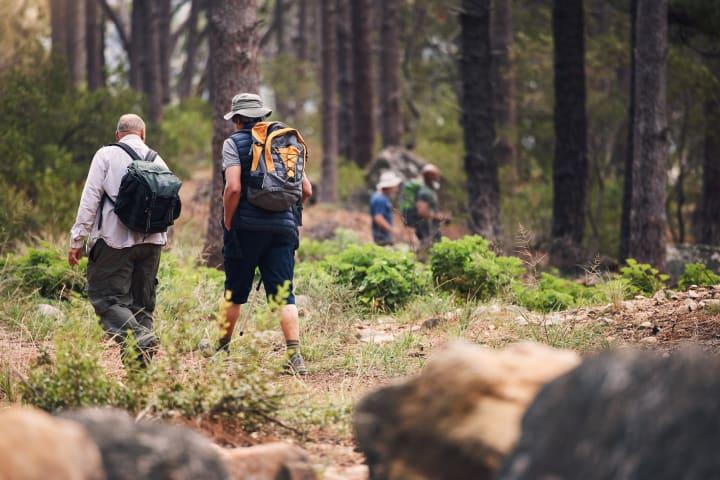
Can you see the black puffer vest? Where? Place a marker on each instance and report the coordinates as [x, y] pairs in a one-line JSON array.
[[248, 217]]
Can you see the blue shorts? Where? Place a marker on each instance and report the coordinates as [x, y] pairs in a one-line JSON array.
[[272, 253]]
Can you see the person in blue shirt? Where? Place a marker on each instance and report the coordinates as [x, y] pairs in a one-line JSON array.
[[381, 208]]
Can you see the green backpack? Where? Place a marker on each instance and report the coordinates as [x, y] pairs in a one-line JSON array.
[[408, 199], [148, 200]]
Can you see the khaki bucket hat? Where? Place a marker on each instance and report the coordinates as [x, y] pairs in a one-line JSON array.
[[248, 105]]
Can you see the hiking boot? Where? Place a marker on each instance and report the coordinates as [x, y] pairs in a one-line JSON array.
[[296, 365]]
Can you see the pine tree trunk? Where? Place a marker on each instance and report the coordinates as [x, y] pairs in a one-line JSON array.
[[328, 186], [478, 119], [281, 103], [152, 80], [390, 89], [504, 86], [94, 45], [710, 202], [629, 155], [345, 79], [302, 36], [58, 32], [165, 47], [570, 163], [138, 40], [234, 46], [185, 81], [363, 133], [75, 38], [648, 222]]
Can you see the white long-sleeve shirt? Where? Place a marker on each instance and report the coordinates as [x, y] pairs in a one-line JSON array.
[[107, 169]]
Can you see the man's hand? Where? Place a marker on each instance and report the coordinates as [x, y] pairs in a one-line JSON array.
[[74, 256], [227, 222]]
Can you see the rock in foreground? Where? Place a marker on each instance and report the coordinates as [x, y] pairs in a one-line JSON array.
[[36, 446], [133, 451], [272, 461], [624, 415], [460, 416]]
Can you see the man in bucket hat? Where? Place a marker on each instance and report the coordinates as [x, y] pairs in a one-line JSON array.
[[255, 237], [381, 208]]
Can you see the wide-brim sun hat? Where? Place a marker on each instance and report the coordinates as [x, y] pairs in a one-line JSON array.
[[389, 179], [248, 105]]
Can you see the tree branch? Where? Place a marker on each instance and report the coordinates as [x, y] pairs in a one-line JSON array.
[[115, 19]]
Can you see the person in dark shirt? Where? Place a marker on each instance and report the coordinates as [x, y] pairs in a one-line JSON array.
[[429, 218], [381, 208]]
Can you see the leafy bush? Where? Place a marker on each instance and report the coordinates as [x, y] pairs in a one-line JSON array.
[[470, 267], [45, 269], [642, 278], [384, 279], [698, 274], [314, 250], [553, 293]]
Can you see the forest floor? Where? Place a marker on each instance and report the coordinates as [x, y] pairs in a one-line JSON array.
[[351, 354]]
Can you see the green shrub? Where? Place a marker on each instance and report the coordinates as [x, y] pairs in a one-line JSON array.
[[314, 250], [384, 279], [553, 293], [468, 266], [642, 278], [698, 274], [46, 270]]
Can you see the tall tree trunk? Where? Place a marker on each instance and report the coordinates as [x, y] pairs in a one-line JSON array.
[[710, 202], [233, 66], [75, 38], [281, 103], [152, 80], [363, 133], [165, 46], [629, 155], [478, 118], [345, 79], [328, 187], [570, 163], [138, 43], [504, 86], [94, 45], [390, 90], [185, 81], [648, 220], [58, 32], [302, 36]]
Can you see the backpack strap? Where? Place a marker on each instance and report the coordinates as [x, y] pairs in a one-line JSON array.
[[128, 149]]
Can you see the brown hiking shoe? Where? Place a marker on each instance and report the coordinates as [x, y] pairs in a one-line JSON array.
[[296, 365]]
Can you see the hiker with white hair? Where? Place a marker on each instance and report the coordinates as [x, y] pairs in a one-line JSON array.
[[381, 208], [129, 200]]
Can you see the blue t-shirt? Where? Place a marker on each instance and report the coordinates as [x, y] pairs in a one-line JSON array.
[[381, 204]]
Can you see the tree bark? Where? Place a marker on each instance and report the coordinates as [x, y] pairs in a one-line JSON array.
[[233, 67], [165, 46], [710, 202], [302, 36], [363, 133], [138, 39], [94, 45], [648, 222], [75, 38], [504, 86], [629, 155], [58, 32], [328, 187], [152, 79], [478, 119], [185, 81], [570, 163], [345, 79], [390, 88]]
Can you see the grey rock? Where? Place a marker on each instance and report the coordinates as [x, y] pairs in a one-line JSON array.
[[624, 415], [401, 161], [50, 311], [680, 254], [132, 450]]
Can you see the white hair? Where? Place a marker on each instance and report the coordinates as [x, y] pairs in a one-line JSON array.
[[130, 123]]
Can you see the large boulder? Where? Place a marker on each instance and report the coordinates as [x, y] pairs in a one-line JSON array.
[[401, 161], [36, 446], [148, 450], [624, 415], [460, 416], [679, 255], [272, 461]]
